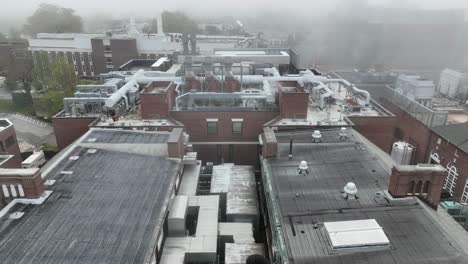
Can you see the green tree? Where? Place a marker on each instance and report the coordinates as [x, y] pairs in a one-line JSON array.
[[50, 18], [54, 80], [150, 27], [178, 22]]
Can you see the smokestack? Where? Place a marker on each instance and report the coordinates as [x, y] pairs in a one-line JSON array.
[[193, 43]]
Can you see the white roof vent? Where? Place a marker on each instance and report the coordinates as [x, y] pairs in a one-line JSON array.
[[343, 133], [303, 167], [92, 151], [74, 157], [91, 139], [316, 136], [350, 189], [49, 182], [66, 172], [16, 215]]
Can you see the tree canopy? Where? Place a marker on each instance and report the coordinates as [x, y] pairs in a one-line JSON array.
[[49, 18], [178, 22], [54, 79]]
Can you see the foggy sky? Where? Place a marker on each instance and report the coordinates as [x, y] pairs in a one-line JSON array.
[[23, 8]]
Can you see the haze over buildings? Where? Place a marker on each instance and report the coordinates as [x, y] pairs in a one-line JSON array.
[[227, 145]]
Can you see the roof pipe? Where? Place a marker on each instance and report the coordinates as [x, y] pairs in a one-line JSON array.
[[121, 93]]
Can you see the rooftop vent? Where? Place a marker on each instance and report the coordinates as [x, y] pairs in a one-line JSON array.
[[16, 215], [350, 189], [91, 139], [49, 182], [66, 172], [343, 134], [92, 151], [74, 157], [316, 136], [303, 167]]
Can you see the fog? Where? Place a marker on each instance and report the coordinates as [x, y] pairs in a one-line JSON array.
[[23, 8], [312, 20]]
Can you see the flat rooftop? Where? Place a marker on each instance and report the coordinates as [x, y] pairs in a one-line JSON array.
[[305, 202], [106, 207], [134, 120], [4, 123]]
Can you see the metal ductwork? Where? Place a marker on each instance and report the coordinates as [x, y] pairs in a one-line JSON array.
[[122, 93]]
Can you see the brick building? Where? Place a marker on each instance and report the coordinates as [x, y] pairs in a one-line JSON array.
[[448, 146], [9, 145]]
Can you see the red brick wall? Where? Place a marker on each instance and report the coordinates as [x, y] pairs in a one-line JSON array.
[[252, 126], [193, 84], [196, 125], [401, 183], [175, 144], [69, 129], [6, 133], [11, 163], [242, 154], [32, 184], [157, 105], [293, 105], [449, 153], [410, 130], [231, 85], [379, 130]]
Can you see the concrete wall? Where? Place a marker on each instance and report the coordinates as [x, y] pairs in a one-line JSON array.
[[69, 129], [123, 50], [99, 60]]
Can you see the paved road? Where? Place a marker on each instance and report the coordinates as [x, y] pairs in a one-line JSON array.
[[31, 131]]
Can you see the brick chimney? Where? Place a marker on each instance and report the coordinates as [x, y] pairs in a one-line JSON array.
[[422, 180], [293, 100], [21, 183], [157, 100], [175, 143], [270, 144]]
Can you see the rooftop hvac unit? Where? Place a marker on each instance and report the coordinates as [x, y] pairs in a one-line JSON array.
[[402, 152]]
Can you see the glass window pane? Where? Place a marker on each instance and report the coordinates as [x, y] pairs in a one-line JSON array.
[[237, 127], [212, 128]]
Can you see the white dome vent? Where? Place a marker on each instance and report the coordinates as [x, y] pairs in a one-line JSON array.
[[350, 189], [303, 167], [316, 136]]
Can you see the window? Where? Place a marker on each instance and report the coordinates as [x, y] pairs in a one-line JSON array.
[[84, 69], [451, 180], [212, 126], [73, 56], [10, 141], [108, 60], [464, 198], [81, 57], [237, 126]]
